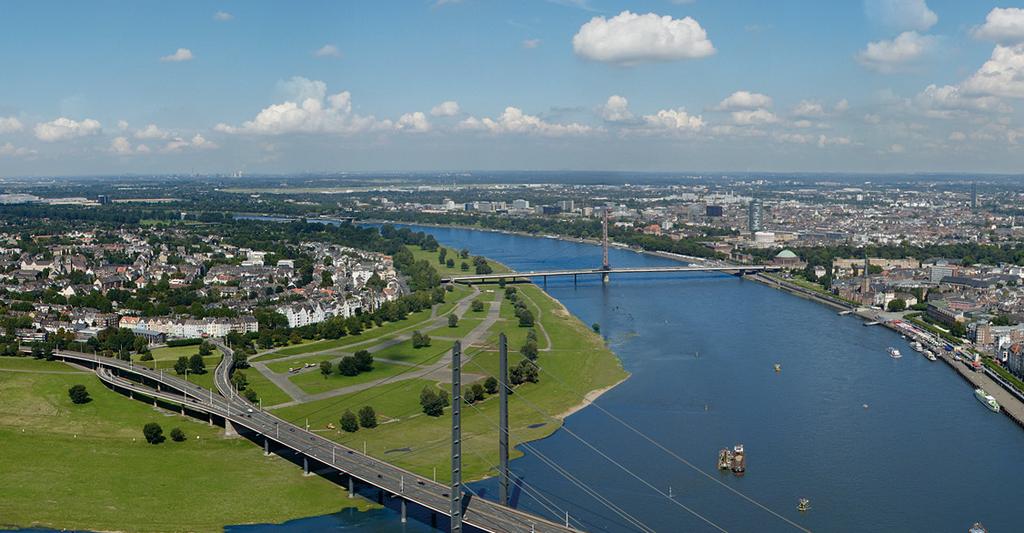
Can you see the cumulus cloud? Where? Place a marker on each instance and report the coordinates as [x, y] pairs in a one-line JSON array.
[[327, 50], [9, 150], [948, 101], [957, 136], [616, 109], [1001, 75], [415, 122], [151, 131], [448, 108], [842, 106], [1003, 25], [753, 116], [513, 120], [629, 39], [310, 110], [744, 100], [531, 43], [10, 124], [179, 55], [222, 16], [197, 142], [122, 146], [888, 56], [902, 14], [677, 120], [65, 128], [807, 108]]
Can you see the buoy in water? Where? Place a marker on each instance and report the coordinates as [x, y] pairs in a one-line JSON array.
[[865, 406]]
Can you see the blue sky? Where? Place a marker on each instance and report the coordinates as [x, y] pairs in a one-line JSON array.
[[701, 85]]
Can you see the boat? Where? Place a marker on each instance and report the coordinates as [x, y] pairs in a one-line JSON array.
[[930, 355], [739, 461], [778, 367], [977, 528], [987, 399], [917, 346], [894, 353], [724, 459], [803, 505]]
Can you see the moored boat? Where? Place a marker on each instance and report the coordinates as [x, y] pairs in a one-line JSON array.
[[739, 460], [987, 400], [803, 505], [930, 355], [724, 459], [894, 353]]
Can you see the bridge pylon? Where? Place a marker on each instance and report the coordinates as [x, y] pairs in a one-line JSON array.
[[605, 265]]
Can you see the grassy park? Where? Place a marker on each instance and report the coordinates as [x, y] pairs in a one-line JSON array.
[[88, 466]]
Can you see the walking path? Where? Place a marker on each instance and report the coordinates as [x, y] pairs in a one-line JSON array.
[[436, 371]]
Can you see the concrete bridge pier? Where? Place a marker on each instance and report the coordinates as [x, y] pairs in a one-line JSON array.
[[605, 278], [545, 283], [574, 280], [351, 487], [380, 496], [305, 465], [266, 446], [433, 519], [404, 520]]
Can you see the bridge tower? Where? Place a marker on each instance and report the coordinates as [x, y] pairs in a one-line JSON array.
[[604, 248], [503, 420], [456, 487]]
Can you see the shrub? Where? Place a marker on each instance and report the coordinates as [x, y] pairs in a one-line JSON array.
[[78, 394], [177, 435], [153, 432], [348, 422], [491, 385], [367, 417]]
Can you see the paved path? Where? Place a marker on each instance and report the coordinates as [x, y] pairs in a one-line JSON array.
[[436, 371]]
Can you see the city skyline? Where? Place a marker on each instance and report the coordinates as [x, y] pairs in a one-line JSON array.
[[873, 86]]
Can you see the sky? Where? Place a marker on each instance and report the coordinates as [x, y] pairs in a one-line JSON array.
[[874, 86]]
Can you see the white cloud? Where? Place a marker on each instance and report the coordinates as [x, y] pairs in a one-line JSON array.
[[65, 128], [122, 146], [513, 120], [122, 125], [674, 120], [327, 50], [871, 118], [531, 43], [616, 109], [1001, 75], [842, 106], [889, 56], [1003, 25], [448, 108], [629, 38], [151, 131], [755, 116], [9, 150], [948, 101], [902, 14], [222, 16], [179, 55], [744, 100], [197, 142], [807, 108], [414, 122], [957, 136], [10, 124], [897, 149], [312, 112]]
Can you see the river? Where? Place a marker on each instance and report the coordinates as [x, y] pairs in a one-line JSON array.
[[876, 444]]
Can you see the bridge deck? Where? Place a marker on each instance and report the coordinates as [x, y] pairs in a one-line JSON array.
[[477, 512], [601, 271]]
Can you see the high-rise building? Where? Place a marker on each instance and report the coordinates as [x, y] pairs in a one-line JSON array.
[[974, 196], [567, 205], [713, 211], [755, 216]]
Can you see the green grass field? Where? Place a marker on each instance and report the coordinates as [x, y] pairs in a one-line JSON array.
[[88, 467], [578, 363]]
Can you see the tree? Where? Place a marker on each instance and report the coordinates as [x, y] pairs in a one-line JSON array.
[[251, 395], [432, 401], [205, 348], [181, 365], [239, 380], [897, 305], [477, 306], [326, 279], [491, 385], [450, 263], [596, 327], [349, 423], [420, 340], [958, 329], [153, 432], [78, 394], [464, 266], [325, 368], [453, 321], [177, 435], [529, 350], [364, 361], [367, 417], [525, 317], [196, 365], [475, 393], [240, 359], [348, 366]]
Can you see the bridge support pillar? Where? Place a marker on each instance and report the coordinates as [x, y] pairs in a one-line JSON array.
[[182, 409], [211, 419], [305, 465], [351, 487], [433, 519], [503, 419], [574, 280], [403, 511], [266, 446], [455, 491], [605, 278], [380, 496], [545, 283]]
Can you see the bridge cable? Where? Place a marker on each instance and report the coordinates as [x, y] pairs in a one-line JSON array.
[[583, 486], [673, 454], [616, 463]]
